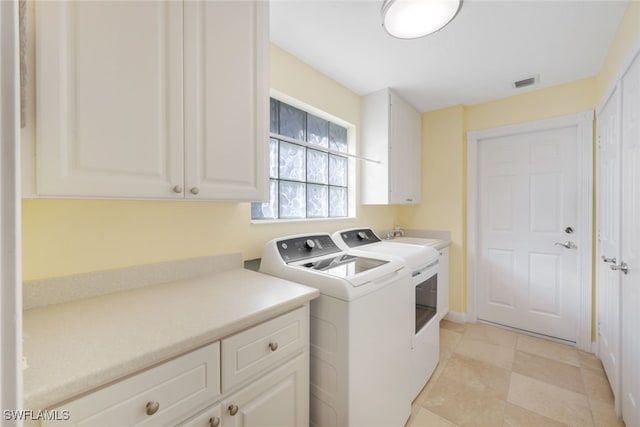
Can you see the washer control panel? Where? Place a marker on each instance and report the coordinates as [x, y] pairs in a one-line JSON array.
[[304, 247], [359, 237]]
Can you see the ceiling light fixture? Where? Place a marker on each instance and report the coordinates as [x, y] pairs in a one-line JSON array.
[[410, 19]]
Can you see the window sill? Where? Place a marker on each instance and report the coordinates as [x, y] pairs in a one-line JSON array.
[[294, 220]]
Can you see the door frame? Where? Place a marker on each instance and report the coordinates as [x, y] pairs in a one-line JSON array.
[[11, 384], [584, 123]]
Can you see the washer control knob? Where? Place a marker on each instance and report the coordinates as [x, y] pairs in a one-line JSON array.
[[310, 244], [362, 235]]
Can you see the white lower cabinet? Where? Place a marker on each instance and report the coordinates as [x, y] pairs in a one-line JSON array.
[[279, 399], [273, 390], [210, 417], [159, 396]]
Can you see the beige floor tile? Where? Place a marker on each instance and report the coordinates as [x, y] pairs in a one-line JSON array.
[[491, 335], [597, 386], [479, 376], [426, 418], [515, 416], [448, 342], [604, 414], [590, 361], [497, 355], [549, 370], [452, 326], [548, 349], [464, 406], [551, 401]]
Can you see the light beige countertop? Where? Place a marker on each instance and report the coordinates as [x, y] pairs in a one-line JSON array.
[[77, 346]]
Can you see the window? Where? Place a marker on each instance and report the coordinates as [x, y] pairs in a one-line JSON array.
[[307, 174]]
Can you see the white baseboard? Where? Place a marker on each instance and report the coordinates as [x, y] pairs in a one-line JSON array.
[[456, 317]]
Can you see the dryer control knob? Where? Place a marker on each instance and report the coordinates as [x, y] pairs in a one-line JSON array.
[[310, 244], [362, 235]]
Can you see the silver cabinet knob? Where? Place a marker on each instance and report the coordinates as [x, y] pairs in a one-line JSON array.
[[177, 189], [568, 244], [611, 260], [621, 267], [273, 346], [233, 409], [214, 422], [194, 190], [152, 407]]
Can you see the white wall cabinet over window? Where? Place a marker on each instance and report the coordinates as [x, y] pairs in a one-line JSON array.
[[161, 100], [390, 134]]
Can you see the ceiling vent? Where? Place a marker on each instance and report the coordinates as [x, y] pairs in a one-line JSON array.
[[525, 82]]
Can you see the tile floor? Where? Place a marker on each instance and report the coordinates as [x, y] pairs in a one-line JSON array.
[[490, 377]]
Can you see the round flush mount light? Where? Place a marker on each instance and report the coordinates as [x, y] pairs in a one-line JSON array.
[[410, 19]]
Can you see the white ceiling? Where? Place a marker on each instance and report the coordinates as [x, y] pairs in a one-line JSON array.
[[476, 58]]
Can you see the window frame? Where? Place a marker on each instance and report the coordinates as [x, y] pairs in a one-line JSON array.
[[306, 144]]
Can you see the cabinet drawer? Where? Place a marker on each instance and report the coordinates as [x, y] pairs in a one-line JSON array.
[[179, 387], [248, 353]]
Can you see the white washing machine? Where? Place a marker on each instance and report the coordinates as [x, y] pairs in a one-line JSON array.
[[424, 324], [359, 340]]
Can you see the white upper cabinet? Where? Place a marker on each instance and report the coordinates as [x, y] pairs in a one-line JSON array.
[[226, 99], [391, 134], [158, 100]]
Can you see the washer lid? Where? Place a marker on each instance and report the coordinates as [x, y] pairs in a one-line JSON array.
[[345, 266]]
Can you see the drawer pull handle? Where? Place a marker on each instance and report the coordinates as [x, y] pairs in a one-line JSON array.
[[152, 407], [214, 422], [233, 409], [273, 346]]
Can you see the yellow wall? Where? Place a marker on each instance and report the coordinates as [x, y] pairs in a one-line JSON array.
[[444, 146], [442, 206], [62, 237], [444, 168]]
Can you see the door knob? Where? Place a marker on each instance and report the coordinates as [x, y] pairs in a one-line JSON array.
[[611, 260], [622, 267], [568, 244]]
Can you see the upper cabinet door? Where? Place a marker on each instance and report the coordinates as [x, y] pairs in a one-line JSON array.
[[391, 134], [404, 152], [109, 99], [226, 99]]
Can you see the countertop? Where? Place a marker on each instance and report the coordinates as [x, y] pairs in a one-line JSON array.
[[75, 347]]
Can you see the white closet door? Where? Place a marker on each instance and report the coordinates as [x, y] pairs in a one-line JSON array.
[[528, 199], [608, 288], [630, 232], [109, 107]]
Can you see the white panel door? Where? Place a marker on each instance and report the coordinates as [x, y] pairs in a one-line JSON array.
[[527, 200], [630, 236], [109, 101], [226, 99], [608, 281]]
